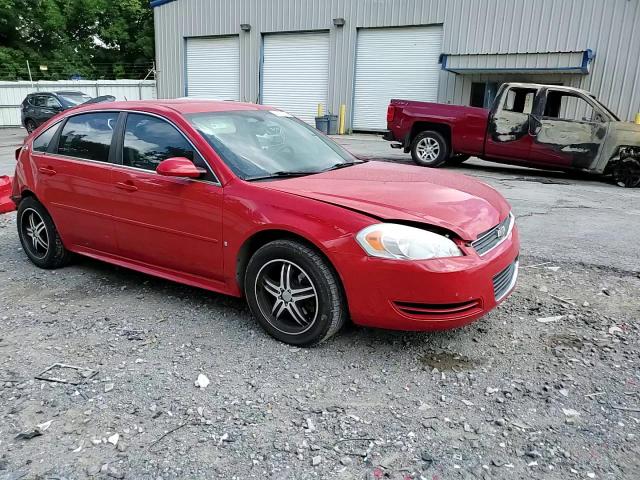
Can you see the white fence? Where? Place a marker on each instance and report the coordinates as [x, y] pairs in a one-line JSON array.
[[12, 93]]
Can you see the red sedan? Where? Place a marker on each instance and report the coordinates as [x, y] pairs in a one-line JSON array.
[[248, 201]]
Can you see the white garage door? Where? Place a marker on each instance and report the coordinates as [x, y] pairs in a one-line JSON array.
[[394, 63], [295, 72], [213, 68]]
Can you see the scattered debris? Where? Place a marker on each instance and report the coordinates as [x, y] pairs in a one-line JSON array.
[[570, 412], [61, 373], [563, 300], [614, 330], [202, 381], [29, 434], [113, 439], [551, 319], [108, 387]]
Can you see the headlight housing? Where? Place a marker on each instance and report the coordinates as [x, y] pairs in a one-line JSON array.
[[400, 242]]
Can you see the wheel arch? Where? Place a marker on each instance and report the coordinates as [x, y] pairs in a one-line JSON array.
[[443, 129], [261, 238]]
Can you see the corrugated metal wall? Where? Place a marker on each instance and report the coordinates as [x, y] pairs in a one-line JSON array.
[[470, 26]]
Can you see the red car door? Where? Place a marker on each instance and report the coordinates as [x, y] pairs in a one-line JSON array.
[[73, 179], [569, 132], [166, 222]]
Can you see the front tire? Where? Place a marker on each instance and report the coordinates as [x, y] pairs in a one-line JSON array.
[[294, 293], [39, 237], [626, 172], [429, 149]]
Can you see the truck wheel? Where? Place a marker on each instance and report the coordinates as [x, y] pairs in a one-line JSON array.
[[626, 172], [429, 149]]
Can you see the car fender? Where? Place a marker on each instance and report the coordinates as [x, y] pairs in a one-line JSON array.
[[327, 227]]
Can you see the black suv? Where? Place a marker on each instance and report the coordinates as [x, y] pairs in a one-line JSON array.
[[39, 107]]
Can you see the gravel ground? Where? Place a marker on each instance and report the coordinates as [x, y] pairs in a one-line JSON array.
[[508, 397]]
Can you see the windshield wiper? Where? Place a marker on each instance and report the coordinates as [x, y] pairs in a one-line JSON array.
[[282, 174], [338, 166]]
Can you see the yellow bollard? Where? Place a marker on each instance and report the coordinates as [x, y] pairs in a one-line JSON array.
[[638, 118], [320, 110], [341, 118]]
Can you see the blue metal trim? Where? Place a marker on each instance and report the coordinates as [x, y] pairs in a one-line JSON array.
[[587, 57], [157, 3]]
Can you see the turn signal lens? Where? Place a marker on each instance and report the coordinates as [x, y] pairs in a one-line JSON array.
[[390, 240]]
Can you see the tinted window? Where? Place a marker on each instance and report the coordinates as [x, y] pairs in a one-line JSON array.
[[37, 101], [88, 136], [42, 141], [51, 102], [149, 140]]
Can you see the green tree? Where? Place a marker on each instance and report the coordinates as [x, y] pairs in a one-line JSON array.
[[91, 38]]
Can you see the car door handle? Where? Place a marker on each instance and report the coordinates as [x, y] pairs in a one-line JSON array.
[[47, 170], [128, 186]]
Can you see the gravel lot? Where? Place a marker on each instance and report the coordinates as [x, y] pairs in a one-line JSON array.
[[546, 387]]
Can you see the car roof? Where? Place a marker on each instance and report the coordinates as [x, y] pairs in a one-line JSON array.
[[555, 87], [180, 105], [69, 92]]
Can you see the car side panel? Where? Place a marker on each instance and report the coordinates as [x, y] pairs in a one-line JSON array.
[[77, 193], [249, 211], [468, 125]]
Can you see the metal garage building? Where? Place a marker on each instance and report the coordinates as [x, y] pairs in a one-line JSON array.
[[295, 54]]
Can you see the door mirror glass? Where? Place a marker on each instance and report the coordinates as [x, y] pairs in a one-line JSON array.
[[179, 167]]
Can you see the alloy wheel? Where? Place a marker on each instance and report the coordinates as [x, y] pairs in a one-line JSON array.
[[428, 149], [34, 232], [286, 296]]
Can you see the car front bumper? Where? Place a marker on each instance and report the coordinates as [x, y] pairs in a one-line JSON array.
[[434, 294]]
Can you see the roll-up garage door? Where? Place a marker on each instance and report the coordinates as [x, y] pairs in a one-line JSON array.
[[295, 72], [213, 68], [394, 63]]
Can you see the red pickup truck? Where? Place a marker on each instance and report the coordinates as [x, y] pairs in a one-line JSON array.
[[541, 126]]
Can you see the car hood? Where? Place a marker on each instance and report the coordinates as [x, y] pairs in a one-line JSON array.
[[405, 193]]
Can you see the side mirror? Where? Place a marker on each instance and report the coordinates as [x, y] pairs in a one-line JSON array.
[[179, 167]]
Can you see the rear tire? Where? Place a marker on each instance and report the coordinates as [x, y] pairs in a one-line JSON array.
[[429, 149], [39, 237], [294, 293]]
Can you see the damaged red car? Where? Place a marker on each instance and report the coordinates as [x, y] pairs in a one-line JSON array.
[[246, 200]]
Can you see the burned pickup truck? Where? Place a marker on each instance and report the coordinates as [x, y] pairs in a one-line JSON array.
[[541, 126]]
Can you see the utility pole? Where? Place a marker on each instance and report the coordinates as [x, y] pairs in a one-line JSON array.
[[30, 77]]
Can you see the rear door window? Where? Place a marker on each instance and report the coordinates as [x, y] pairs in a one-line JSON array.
[[519, 100], [88, 136], [41, 142]]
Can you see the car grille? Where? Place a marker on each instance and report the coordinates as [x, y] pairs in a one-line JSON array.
[[441, 310], [490, 239], [504, 281]]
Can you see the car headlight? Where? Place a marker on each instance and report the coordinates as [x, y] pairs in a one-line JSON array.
[[390, 240]]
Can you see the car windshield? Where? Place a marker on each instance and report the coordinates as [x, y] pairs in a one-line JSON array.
[[261, 144], [72, 99]]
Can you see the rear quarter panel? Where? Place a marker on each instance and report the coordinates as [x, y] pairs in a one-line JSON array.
[[468, 125]]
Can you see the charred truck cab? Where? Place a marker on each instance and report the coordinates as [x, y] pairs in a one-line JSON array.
[[542, 126]]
